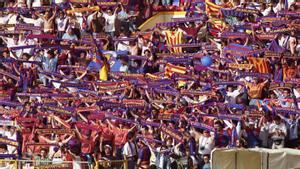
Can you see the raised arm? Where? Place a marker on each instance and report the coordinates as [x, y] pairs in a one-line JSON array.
[[78, 133], [54, 14], [47, 140]]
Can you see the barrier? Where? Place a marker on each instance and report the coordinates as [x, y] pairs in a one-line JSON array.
[[58, 164], [255, 158]]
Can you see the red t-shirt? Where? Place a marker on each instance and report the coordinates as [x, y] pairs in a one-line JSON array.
[[87, 145], [120, 136], [107, 134]]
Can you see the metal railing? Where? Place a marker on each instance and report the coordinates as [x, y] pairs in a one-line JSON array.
[[43, 164]]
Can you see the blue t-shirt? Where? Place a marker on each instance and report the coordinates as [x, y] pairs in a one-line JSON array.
[[206, 166]]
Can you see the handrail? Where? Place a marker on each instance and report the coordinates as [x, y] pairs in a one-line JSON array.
[[104, 162]]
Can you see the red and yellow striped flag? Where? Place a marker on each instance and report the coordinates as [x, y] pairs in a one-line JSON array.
[[174, 38], [217, 25], [170, 69], [260, 64], [213, 9]]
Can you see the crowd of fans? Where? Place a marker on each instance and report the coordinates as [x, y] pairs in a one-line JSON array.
[[81, 83]]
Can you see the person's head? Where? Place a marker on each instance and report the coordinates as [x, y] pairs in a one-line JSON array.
[[84, 26], [47, 14], [43, 152], [121, 125], [15, 38], [50, 54], [130, 135], [144, 129], [272, 95], [109, 12], [147, 53], [136, 63], [5, 54], [230, 88], [34, 15], [292, 116], [57, 138], [82, 55], [277, 119], [3, 148], [107, 149], [206, 158], [70, 31], [240, 143], [255, 80], [11, 129], [251, 124], [25, 56], [206, 133], [141, 143], [218, 125], [293, 7], [94, 17], [61, 14], [169, 142], [286, 93], [124, 60]]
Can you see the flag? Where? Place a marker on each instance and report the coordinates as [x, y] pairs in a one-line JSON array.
[[170, 69], [216, 26], [174, 38], [273, 46], [260, 64], [152, 76], [213, 9]]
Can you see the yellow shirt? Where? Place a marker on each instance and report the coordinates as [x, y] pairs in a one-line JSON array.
[[103, 73], [255, 90]]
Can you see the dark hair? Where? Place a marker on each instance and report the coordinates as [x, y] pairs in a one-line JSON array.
[[51, 52], [130, 135], [277, 118]]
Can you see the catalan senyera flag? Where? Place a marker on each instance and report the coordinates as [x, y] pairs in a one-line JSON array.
[[170, 69], [213, 9], [152, 76], [260, 64], [217, 26], [174, 38]]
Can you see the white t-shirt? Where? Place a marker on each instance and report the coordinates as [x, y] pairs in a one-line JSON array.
[[59, 1], [206, 144], [12, 20], [274, 127], [123, 47], [36, 22], [129, 150], [266, 11], [61, 24], [76, 163], [37, 3], [231, 96], [5, 19], [110, 22], [124, 68], [13, 136], [279, 7], [11, 43]]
